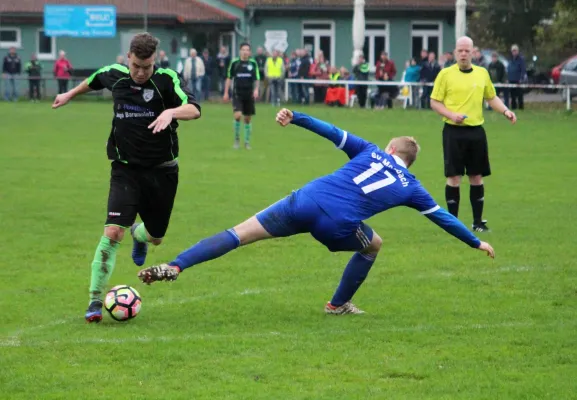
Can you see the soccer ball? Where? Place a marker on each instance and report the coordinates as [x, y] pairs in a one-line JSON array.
[[123, 302]]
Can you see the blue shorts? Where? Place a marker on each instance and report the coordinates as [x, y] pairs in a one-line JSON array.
[[298, 213]]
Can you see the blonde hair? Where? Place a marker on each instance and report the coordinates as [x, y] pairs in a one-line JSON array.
[[406, 147]]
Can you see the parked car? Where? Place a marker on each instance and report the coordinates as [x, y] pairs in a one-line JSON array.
[[568, 76], [556, 70]]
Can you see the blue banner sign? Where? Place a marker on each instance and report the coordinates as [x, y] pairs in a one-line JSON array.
[[80, 21]]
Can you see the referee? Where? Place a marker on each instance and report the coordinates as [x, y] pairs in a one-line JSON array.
[[143, 148], [458, 95], [245, 73]]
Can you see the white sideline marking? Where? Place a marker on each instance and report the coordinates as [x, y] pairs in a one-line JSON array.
[[472, 273]]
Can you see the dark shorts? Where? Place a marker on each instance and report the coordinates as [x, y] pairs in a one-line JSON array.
[[146, 192], [298, 213], [465, 151], [243, 104]]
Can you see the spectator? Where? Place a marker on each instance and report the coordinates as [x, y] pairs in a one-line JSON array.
[[361, 72], [303, 73], [479, 59], [261, 62], [34, 71], [194, 72], [11, 67], [120, 59], [274, 72], [517, 73], [223, 61], [497, 72], [320, 71], [336, 94], [424, 57], [385, 70], [293, 72], [429, 72], [449, 60], [163, 61], [62, 72], [208, 72], [413, 74]]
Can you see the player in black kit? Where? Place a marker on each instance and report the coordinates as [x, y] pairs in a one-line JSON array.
[[143, 148], [244, 71]]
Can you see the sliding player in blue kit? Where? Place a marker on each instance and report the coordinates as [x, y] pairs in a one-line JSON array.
[[332, 209]]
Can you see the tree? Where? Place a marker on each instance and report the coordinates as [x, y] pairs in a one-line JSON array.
[[505, 22], [559, 38]]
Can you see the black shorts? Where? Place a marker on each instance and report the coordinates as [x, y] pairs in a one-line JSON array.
[[465, 151], [148, 192], [243, 104]]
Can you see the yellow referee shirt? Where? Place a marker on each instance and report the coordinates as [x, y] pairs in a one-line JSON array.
[[464, 92]]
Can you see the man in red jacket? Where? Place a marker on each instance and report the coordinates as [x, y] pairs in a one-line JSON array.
[[385, 71], [62, 72]]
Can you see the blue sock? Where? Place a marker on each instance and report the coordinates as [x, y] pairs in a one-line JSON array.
[[207, 249], [355, 273]]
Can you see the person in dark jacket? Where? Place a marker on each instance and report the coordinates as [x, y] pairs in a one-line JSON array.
[[208, 71], [361, 72], [429, 72], [303, 73], [11, 67], [516, 73], [222, 63], [34, 71], [497, 72], [163, 61]]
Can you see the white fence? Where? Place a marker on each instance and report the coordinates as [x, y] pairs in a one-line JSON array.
[[566, 88]]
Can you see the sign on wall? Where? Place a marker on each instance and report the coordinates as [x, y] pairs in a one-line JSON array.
[[80, 21], [276, 40]]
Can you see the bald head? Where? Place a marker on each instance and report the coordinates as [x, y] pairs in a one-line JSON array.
[[464, 52]]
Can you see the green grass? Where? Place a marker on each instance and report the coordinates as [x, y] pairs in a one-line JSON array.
[[443, 322]]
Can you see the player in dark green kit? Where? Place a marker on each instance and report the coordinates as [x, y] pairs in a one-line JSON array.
[[143, 148], [244, 71]]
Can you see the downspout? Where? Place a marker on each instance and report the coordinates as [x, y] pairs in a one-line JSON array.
[[246, 34]]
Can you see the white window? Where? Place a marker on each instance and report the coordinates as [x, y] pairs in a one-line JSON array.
[[320, 35], [426, 35], [10, 37], [376, 41], [45, 46]]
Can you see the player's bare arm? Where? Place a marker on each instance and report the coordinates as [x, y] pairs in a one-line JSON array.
[[64, 98], [186, 112], [440, 109], [497, 104], [226, 97]]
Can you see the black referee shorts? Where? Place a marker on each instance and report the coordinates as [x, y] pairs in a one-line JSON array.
[[148, 192], [244, 104], [465, 151]]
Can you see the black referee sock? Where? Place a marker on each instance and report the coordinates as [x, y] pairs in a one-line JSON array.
[[477, 196], [453, 196]]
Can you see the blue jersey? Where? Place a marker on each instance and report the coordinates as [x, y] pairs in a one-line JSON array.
[[370, 183]]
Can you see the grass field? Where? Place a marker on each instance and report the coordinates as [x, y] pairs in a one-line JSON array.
[[443, 321]]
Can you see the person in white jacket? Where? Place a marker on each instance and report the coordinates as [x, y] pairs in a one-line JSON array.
[[193, 72]]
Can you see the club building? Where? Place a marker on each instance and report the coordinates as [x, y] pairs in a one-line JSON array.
[[400, 27]]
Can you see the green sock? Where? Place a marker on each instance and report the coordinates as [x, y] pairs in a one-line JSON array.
[[247, 131], [140, 233], [236, 130], [102, 267]]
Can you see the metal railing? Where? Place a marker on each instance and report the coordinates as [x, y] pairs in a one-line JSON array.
[[48, 86], [566, 88]]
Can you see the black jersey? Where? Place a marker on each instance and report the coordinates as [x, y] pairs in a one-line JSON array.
[[244, 73], [136, 106]]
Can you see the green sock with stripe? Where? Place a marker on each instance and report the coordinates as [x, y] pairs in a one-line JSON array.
[[102, 267], [236, 130], [140, 233], [247, 132]]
